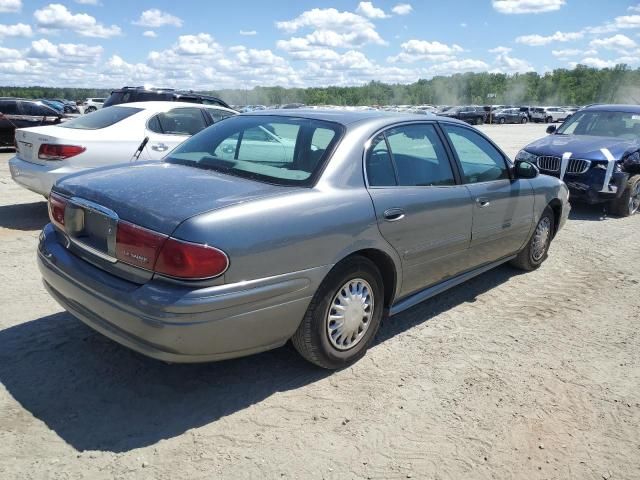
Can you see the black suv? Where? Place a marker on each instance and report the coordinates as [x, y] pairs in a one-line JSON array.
[[142, 94], [470, 114], [19, 113]]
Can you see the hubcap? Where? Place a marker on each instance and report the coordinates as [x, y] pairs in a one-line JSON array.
[[634, 200], [350, 314], [541, 239]]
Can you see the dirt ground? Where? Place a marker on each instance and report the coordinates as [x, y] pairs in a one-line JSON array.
[[509, 375]]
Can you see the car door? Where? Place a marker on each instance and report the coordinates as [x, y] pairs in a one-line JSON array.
[[169, 129], [421, 209], [503, 206]]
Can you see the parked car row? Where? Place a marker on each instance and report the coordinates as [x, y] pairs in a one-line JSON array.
[[301, 225]]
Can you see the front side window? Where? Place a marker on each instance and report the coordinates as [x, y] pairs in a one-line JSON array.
[[480, 161], [37, 110], [419, 156], [102, 118], [272, 149], [179, 121]]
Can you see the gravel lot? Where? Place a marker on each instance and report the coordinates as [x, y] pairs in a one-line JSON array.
[[507, 376]]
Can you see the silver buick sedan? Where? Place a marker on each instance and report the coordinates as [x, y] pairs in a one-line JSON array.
[[302, 225]]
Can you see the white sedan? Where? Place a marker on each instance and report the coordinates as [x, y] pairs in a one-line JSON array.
[[126, 132]]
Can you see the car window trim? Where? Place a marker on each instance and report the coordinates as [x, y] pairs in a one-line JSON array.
[[383, 131], [508, 164]]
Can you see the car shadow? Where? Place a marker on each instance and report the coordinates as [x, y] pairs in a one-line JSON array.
[[592, 213], [97, 395], [24, 216]]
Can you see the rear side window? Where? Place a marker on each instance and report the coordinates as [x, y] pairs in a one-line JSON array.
[[380, 171], [9, 107], [419, 156], [480, 161], [179, 121], [101, 118]]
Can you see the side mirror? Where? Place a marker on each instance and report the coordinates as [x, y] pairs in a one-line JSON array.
[[526, 170], [551, 129]]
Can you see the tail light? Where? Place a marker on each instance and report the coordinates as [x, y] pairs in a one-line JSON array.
[[166, 255], [190, 260], [59, 152], [57, 206]]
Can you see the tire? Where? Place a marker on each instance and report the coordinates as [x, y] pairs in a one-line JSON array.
[[313, 339], [90, 109], [548, 120], [480, 121], [502, 121], [629, 201], [524, 120], [533, 254]]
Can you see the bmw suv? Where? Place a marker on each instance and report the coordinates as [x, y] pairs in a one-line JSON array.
[[597, 154]]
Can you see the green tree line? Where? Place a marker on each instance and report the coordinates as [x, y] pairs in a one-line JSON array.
[[579, 86]]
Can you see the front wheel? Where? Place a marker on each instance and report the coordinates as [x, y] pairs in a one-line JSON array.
[[629, 201], [524, 120], [343, 316], [537, 249]]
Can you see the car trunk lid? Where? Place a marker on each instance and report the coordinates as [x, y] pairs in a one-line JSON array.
[[29, 140]]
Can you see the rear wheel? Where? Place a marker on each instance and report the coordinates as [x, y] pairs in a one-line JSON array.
[[343, 316], [548, 120], [536, 250], [629, 201], [502, 121], [524, 120]]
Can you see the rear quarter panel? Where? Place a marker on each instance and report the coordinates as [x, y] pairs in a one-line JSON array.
[[289, 233]]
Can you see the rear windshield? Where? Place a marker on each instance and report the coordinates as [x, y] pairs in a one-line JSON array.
[[272, 149], [101, 118]]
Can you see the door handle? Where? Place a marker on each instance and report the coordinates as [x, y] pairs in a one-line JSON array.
[[159, 147], [483, 202], [393, 214]]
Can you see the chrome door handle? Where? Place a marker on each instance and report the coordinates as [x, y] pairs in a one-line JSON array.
[[483, 202], [159, 147], [393, 214]]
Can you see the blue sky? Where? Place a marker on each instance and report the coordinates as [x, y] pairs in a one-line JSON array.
[[204, 44]]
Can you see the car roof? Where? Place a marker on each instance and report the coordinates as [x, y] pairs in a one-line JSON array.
[[346, 117], [163, 105], [614, 108]]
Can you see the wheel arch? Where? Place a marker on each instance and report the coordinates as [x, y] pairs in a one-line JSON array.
[[387, 268], [556, 206]]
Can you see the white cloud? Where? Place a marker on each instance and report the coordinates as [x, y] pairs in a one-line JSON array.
[[565, 53], [368, 10], [65, 53], [248, 33], [500, 50], [57, 17], [9, 53], [155, 18], [88, 2], [627, 21], [458, 66], [149, 34], [402, 9], [10, 6], [510, 7], [539, 40], [506, 64], [464, 25], [616, 42], [597, 62], [17, 30]]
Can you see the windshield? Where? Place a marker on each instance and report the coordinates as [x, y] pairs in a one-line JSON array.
[[101, 118], [603, 124], [273, 149]]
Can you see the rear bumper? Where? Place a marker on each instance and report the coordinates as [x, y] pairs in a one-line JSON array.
[[38, 178], [174, 323]]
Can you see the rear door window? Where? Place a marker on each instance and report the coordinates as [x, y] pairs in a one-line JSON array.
[[419, 156], [179, 121]]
